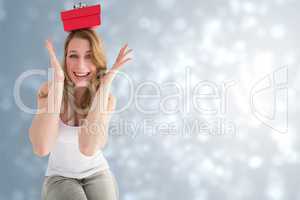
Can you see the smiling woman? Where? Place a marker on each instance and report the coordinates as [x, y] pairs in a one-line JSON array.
[[84, 63], [84, 53], [77, 98]]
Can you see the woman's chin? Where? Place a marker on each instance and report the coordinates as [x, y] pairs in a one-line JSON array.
[[81, 83]]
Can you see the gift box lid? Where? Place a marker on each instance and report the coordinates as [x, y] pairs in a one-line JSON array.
[[81, 12]]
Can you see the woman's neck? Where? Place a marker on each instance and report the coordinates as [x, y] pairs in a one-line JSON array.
[[70, 110], [79, 92]]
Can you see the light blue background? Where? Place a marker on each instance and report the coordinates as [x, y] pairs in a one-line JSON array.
[[219, 41]]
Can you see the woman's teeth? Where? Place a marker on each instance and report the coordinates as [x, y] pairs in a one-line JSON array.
[[81, 74]]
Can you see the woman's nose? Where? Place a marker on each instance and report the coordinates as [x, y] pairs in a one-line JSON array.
[[81, 63]]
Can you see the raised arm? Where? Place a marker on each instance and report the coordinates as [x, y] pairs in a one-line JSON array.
[[44, 128]]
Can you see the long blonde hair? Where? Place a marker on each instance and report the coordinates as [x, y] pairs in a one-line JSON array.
[[98, 58]]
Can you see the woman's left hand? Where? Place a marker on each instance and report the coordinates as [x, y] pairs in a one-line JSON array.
[[107, 79], [101, 101]]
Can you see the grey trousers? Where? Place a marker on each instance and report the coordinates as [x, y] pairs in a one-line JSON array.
[[99, 186]]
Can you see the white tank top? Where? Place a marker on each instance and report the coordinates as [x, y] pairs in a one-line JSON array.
[[66, 160]]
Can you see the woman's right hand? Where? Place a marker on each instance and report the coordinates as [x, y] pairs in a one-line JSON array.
[[58, 71]]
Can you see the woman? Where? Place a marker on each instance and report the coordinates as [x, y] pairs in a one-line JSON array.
[[74, 110]]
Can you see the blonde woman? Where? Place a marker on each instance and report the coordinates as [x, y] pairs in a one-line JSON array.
[[74, 110]]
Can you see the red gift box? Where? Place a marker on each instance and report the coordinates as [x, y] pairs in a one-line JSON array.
[[81, 18]]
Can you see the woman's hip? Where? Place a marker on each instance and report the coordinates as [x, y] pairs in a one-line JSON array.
[[100, 185]]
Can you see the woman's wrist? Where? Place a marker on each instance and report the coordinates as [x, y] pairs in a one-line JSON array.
[[59, 75]]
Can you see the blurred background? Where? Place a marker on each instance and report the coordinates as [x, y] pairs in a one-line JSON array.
[[236, 140]]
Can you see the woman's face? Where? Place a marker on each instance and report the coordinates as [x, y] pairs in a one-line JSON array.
[[80, 67]]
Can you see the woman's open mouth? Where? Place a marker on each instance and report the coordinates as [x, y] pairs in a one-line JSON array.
[[80, 75]]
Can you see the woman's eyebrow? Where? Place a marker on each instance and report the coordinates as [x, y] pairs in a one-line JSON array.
[[72, 51]]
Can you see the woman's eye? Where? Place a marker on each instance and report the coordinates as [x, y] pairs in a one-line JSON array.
[[88, 56], [73, 56]]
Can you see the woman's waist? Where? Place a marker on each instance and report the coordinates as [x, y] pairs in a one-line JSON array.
[[70, 156]]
